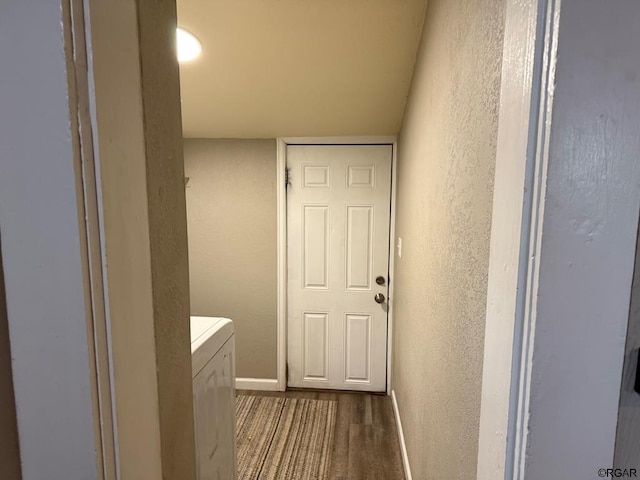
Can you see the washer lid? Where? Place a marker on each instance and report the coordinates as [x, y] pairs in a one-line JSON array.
[[200, 325], [208, 335]]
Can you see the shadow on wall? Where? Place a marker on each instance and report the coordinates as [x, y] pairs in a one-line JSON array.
[[627, 450], [9, 448]]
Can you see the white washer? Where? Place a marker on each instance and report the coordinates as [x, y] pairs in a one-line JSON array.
[[213, 367]]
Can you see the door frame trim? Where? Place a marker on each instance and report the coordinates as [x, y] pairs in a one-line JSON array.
[[517, 216], [529, 335], [281, 202]]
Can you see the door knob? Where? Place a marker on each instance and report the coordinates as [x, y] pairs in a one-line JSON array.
[[379, 298]]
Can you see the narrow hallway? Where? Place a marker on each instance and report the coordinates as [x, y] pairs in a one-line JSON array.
[[364, 444]]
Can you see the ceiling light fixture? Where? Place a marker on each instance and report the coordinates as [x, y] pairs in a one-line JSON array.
[[189, 47]]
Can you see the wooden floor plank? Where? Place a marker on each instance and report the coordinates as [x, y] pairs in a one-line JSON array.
[[370, 456], [357, 409], [340, 453], [382, 413], [368, 414]]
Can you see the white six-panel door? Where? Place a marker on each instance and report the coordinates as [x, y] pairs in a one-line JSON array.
[[338, 211]]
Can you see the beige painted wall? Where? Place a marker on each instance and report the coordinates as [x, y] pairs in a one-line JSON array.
[[139, 148], [446, 163], [167, 235], [9, 448], [231, 210]]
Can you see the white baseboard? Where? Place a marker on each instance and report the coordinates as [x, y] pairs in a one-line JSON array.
[[403, 446], [268, 384]]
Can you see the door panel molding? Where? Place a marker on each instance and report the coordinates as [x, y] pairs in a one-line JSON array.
[[315, 341], [357, 370], [359, 280], [315, 267]]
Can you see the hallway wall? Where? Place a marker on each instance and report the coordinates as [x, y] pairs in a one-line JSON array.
[[138, 142], [446, 161], [231, 212]]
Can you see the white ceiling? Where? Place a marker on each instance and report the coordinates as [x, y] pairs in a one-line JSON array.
[[298, 67]]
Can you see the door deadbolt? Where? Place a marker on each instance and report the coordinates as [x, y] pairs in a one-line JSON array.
[[380, 280], [379, 298]]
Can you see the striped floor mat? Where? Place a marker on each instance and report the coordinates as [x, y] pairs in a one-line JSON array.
[[284, 438]]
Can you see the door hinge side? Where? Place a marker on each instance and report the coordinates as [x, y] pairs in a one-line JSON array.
[[287, 176]]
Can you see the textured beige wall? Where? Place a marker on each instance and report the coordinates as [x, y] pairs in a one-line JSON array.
[[140, 153], [9, 449], [446, 162], [167, 235], [120, 150], [231, 209]]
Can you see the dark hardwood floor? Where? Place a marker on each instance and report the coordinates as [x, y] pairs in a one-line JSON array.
[[365, 442]]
